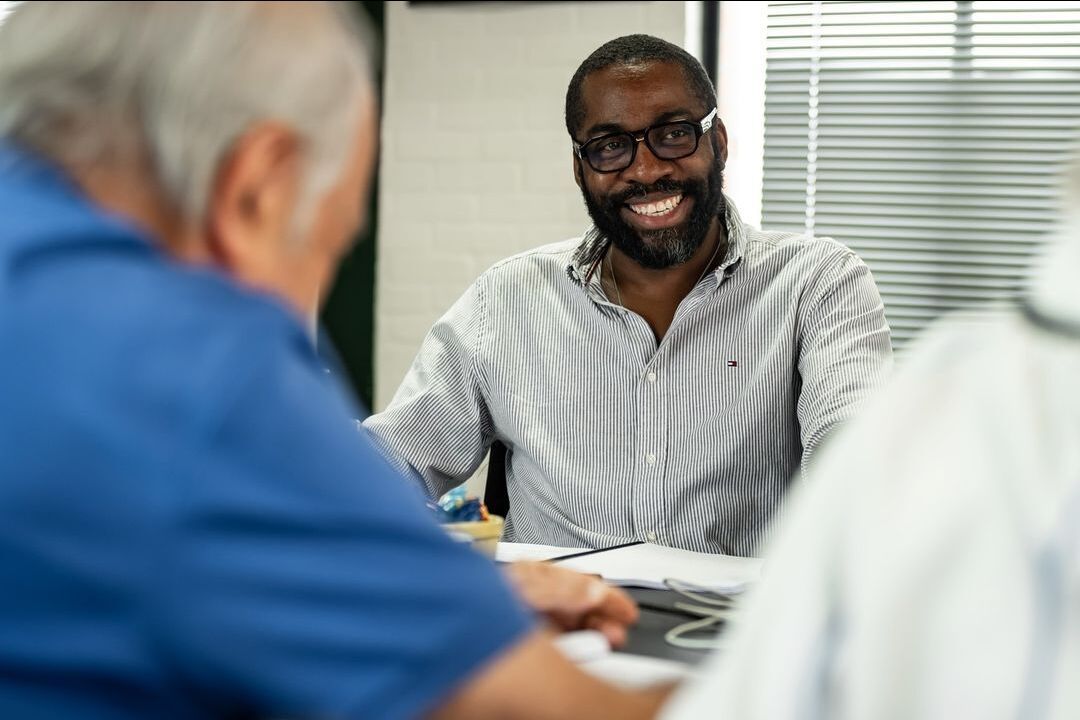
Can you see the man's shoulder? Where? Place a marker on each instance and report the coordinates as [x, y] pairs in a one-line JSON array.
[[545, 263], [556, 254], [202, 308], [231, 332], [196, 332], [798, 259], [763, 244], [146, 360]]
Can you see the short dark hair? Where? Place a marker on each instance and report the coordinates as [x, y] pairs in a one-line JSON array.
[[633, 50]]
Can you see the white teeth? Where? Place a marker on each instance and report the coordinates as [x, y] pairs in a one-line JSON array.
[[658, 208]]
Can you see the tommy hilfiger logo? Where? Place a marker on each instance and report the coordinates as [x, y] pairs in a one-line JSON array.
[[733, 363]]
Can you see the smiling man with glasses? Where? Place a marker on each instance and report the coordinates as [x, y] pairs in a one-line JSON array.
[[664, 377]]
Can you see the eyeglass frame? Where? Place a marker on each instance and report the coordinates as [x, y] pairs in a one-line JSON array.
[[639, 136]]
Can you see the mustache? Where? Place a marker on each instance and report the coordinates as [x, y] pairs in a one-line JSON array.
[[660, 186]]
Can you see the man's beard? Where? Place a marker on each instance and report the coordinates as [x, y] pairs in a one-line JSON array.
[[659, 249]]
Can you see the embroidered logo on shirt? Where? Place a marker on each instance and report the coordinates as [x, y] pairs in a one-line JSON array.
[[733, 363]]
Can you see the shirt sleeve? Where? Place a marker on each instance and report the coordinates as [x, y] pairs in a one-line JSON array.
[[845, 349], [438, 426], [302, 577]]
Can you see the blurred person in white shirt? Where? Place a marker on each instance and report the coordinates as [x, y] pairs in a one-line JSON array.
[[930, 567]]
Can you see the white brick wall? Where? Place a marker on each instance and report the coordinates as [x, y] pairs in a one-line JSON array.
[[475, 162]]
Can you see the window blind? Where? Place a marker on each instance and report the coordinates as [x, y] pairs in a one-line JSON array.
[[927, 136]]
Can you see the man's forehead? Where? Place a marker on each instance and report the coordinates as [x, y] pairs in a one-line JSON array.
[[626, 95]]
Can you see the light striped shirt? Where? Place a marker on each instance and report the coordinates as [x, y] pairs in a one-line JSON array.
[[613, 437]]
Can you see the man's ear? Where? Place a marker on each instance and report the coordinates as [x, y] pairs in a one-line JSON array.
[[577, 170], [720, 132], [253, 195]]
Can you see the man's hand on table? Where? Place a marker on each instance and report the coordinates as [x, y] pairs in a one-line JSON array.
[[572, 601]]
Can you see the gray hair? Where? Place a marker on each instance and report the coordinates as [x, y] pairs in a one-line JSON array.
[[179, 83]]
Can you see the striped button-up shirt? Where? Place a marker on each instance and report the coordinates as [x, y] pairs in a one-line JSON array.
[[689, 442]]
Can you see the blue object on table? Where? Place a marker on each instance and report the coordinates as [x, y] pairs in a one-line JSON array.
[[455, 506]]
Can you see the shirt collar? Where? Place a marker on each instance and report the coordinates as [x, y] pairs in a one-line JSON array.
[[41, 205], [1053, 288], [594, 244], [28, 167]]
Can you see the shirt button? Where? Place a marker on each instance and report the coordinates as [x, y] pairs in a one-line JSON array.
[[651, 459], [651, 377], [650, 536]]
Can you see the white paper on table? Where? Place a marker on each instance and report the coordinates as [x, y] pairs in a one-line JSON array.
[[589, 650], [514, 552], [648, 565], [636, 671], [582, 646]]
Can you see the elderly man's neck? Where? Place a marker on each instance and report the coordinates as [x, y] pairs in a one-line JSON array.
[[131, 191]]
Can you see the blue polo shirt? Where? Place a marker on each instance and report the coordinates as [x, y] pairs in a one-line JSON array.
[[190, 524]]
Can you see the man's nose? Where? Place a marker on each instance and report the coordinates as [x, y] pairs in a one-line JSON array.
[[646, 167]]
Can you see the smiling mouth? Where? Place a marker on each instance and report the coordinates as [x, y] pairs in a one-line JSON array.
[[659, 208]]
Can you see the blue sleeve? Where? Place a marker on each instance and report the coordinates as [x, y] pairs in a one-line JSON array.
[[302, 571]]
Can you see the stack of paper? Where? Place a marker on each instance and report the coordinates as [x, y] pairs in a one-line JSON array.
[[514, 552], [647, 565]]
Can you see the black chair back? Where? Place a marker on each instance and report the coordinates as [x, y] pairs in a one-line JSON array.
[[496, 498]]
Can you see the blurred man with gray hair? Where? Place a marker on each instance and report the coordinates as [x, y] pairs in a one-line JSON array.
[[188, 525]]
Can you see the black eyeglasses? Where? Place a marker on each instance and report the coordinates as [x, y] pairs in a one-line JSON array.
[[667, 141]]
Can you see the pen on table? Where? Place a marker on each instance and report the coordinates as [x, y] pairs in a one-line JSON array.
[[583, 553]]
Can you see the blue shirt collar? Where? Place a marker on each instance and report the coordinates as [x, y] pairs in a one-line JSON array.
[[40, 204], [24, 166]]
